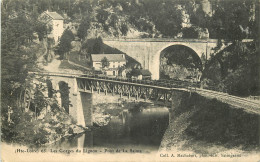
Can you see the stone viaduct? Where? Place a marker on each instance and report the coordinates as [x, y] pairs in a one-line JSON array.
[[147, 51], [75, 107]]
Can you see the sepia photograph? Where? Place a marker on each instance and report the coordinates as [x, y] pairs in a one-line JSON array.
[[130, 80]]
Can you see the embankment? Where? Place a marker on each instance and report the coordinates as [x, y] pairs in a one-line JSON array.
[[203, 125]]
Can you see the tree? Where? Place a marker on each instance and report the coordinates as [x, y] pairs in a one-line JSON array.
[[229, 17], [64, 45], [83, 32], [190, 33], [83, 29], [18, 56], [105, 63], [97, 48], [41, 30]]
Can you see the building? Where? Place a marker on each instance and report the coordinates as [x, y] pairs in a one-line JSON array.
[[54, 22], [141, 74], [115, 62]]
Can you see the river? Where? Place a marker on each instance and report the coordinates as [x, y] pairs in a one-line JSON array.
[[137, 130]]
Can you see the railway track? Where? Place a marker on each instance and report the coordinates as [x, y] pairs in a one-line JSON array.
[[249, 105]]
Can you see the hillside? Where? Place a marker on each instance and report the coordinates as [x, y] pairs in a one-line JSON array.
[[141, 18], [235, 70]]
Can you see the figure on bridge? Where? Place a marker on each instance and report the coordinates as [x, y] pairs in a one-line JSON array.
[[198, 75]]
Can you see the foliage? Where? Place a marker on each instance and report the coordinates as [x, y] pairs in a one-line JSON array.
[[64, 45], [236, 70], [83, 28], [23, 127], [19, 53], [225, 126], [190, 33], [97, 48], [229, 16], [94, 46], [41, 30], [105, 63], [156, 18]]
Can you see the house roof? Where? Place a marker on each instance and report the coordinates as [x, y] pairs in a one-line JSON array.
[[54, 15], [110, 57]]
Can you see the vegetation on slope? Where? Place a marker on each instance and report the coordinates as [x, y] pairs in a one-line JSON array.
[[207, 126], [235, 70]]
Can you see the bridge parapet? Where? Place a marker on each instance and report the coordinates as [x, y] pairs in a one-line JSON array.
[[161, 40], [170, 40]]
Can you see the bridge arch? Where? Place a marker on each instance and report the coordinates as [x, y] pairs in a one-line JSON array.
[[156, 61], [49, 88], [64, 95], [186, 44]]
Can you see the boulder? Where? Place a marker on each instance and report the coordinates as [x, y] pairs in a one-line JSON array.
[[101, 119], [74, 129]]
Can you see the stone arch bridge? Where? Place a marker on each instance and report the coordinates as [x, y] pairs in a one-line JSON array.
[[147, 51]]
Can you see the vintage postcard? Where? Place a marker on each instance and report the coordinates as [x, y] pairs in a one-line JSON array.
[[130, 80]]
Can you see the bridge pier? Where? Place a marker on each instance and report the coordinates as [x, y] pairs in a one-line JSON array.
[[76, 109]]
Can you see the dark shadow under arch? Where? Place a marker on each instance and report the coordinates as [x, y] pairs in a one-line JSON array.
[[181, 56], [50, 88], [64, 94]]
